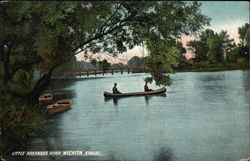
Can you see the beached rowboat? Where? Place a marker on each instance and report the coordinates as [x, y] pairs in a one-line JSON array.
[[59, 106], [158, 91], [45, 97]]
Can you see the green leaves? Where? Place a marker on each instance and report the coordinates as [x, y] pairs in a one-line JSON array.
[[45, 35], [161, 60], [104, 65], [247, 37], [211, 46], [56, 30], [242, 31], [22, 82]]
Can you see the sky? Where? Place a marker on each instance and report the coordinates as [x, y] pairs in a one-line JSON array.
[[225, 15]]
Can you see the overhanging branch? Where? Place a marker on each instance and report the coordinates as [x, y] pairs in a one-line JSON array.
[[105, 23]]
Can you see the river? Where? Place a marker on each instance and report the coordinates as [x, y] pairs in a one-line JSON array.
[[204, 116]]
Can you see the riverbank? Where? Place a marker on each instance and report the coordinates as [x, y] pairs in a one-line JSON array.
[[214, 67]]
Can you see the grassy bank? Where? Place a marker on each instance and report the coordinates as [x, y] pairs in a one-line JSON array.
[[198, 67]]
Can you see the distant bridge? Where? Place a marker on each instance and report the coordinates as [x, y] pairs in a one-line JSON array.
[[112, 71]]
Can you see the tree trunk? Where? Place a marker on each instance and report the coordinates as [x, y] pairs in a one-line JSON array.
[[40, 86]]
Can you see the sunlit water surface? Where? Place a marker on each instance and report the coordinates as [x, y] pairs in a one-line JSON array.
[[204, 116]]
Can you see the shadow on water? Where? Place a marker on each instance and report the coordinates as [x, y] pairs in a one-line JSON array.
[[246, 76], [49, 134], [115, 100], [48, 139], [213, 87], [163, 154], [212, 83], [147, 98], [212, 77]]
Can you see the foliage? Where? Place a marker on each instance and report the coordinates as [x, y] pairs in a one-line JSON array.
[[155, 64], [200, 47], [69, 66], [205, 66], [59, 30], [104, 65], [244, 36], [181, 60], [233, 55], [21, 83], [45, 35], [215, 51], [93, 62], [211, 46], [247, 37], [135, 62], [242, 31], [18, 121]]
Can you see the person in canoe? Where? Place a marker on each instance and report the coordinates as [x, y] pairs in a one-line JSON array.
[[146, 89], [115, 90]]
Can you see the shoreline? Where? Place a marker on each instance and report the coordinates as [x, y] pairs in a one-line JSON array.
[[215, 68]]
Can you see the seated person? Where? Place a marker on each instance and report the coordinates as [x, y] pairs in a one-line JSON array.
[[146, 89], [115, 90]]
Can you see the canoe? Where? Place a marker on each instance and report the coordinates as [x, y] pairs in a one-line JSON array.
[[157, 91], [45, 97], [59, 106]]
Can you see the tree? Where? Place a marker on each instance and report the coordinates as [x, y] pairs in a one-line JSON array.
[[242, 31], [46, 35], [135, 61], [60, 30], [233, 55], [211, 46], [247, 37], [104, 65], [215, 49], [69, 66], [219, 46], [93, 62], [200, 47], [181, 60]]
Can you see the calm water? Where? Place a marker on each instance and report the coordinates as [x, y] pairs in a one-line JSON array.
[[203, 117]]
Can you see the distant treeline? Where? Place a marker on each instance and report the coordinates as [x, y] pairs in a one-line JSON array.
[[211, 50], [75, 65], [219, 48]]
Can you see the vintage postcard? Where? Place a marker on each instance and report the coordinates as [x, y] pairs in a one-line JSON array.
[[125, 80]]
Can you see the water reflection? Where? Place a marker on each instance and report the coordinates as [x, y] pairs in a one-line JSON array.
[[215, 84], [147, 98], [246, 75], [50, 129], [115, 100], [163, 154], [213, 77], [50, 134]]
